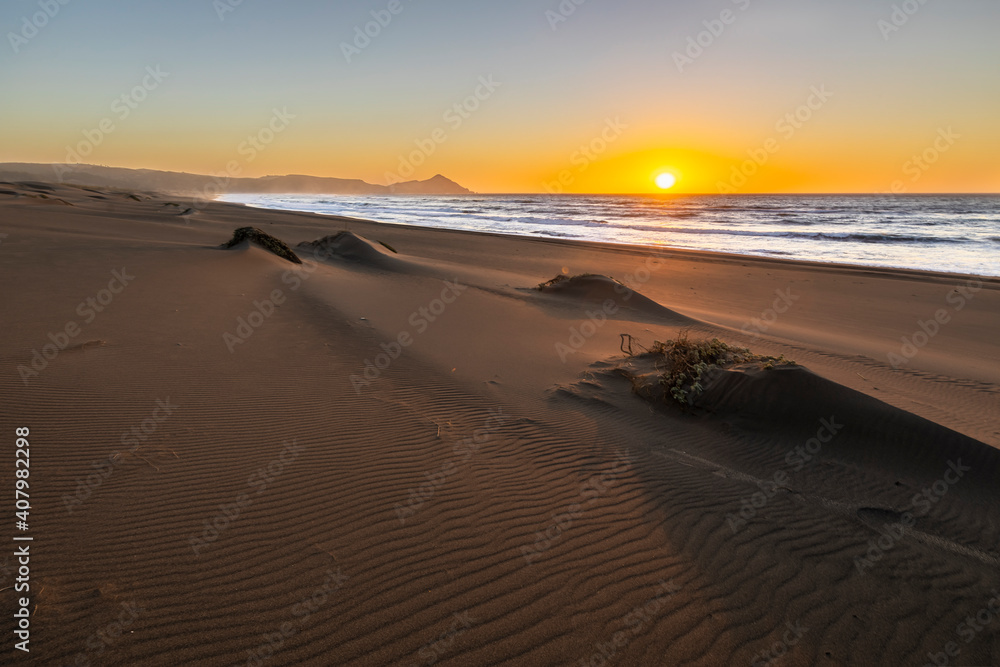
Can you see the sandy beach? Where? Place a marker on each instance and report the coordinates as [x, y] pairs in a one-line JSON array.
[[401, 452]]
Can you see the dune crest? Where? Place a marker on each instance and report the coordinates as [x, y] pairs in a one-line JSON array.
[[350, 247], [599, 289]]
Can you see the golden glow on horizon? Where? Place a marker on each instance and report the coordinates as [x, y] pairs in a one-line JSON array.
[[821, 161]]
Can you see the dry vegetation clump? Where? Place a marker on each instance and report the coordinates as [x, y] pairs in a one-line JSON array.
[[682, 363]]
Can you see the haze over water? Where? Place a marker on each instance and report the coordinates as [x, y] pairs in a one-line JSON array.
[[952, 233]]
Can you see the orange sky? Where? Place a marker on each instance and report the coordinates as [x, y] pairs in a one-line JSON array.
[[782, 98]]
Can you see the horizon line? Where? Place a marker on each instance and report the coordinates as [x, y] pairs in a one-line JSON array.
[[512, 193]]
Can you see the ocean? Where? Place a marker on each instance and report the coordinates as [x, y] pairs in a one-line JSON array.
[[951, 233]]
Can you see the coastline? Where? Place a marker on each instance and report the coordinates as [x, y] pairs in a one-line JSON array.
[[663, 250], [692, 225]]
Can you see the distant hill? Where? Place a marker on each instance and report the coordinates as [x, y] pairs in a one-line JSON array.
[[182, 183], [439, 185]]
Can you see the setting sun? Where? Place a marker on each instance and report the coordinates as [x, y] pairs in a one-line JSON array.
[[666, 180]]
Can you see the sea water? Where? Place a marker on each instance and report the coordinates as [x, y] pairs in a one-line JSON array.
[[952, 233]]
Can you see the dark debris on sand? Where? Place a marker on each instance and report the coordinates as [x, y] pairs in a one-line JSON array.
[[264, 240], [562, 280]]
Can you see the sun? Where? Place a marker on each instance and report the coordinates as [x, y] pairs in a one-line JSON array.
[[666, 180]]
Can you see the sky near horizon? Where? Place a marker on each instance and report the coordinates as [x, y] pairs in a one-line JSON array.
[[521, 96]]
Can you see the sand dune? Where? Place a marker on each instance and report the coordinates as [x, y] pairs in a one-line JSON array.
[[417, 458], [351, 247], [610, 295]]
